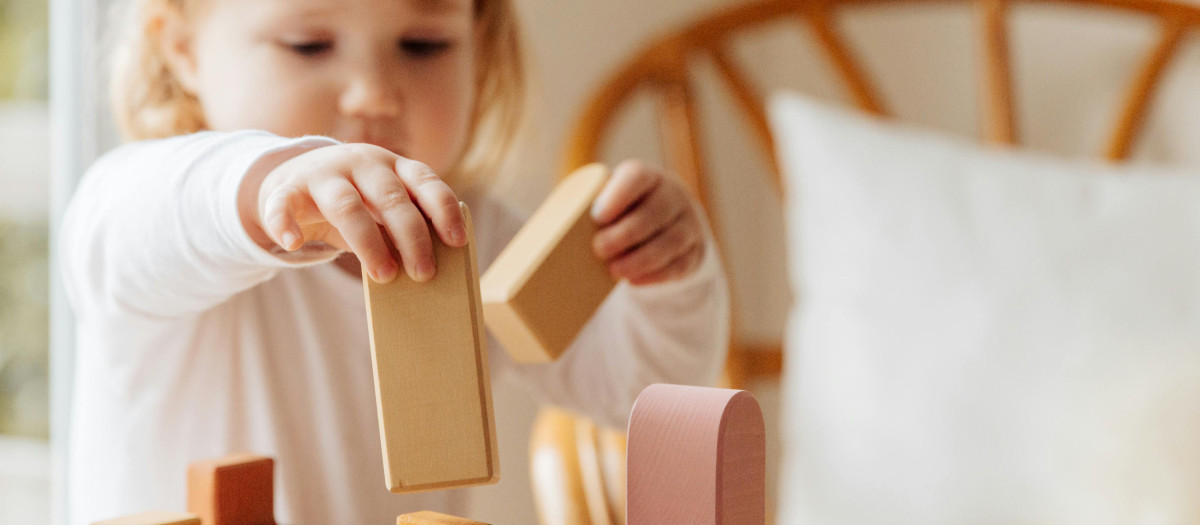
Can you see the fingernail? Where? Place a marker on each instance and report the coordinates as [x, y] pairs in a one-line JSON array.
[[289, 240], [425, 271], [595, 210], [386, 272], [458, 235]]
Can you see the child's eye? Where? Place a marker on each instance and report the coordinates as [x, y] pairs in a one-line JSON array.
[[310, 48], [424, 48]]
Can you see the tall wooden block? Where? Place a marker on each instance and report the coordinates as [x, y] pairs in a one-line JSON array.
[[432, 385], [153, 518], [697, 456], [433, 518], [547, 283], [235, 490]]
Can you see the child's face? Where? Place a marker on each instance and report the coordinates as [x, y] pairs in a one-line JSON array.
[[394, 73]]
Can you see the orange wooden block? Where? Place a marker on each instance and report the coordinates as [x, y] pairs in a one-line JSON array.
[[153, 518], [432, 385], [235, 490], [426, 517], [546, 284], [697, 456]]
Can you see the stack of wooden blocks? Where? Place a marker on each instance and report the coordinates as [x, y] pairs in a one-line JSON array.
[[695, 454]]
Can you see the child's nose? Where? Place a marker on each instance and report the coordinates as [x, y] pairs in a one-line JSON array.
[[371, 95]]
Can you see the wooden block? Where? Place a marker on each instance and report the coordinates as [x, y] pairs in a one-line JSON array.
[[697, 456], [153, 518], [433, 518], [238, 489], [547, 283], [432, 385]]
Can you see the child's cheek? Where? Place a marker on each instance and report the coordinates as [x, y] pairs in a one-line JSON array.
[[442, 121]]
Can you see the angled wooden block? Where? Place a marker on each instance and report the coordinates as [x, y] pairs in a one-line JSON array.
[[238, 489], [432, 385], [426, 517], [697, 456], [153, 518], [547, 283]]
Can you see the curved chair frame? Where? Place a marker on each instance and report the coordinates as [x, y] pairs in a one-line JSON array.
[[663, 68], [589, 488]]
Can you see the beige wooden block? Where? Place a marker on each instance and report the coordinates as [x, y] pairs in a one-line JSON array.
[[153, 518], [432, 385], [238, 489], [426, 517], [546, 284], [697, 456]]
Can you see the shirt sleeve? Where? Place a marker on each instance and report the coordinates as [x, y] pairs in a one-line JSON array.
[[154, 230], [673, 332]]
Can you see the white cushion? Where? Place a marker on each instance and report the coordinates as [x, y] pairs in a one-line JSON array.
[[984, 337]]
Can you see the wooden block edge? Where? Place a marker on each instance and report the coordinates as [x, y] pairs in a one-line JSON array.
[[426, 517], [502, 280], [154, 517], [511, 329]]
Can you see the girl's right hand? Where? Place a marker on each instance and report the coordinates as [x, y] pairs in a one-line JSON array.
[[350, 196]]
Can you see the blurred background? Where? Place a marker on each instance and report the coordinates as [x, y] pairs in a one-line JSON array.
[[24, 286], [1070, 71]]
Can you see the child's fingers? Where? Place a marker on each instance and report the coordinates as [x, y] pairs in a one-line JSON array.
[[386, 195], [631, 181], [678, 268], [278, 221], [658, 252], [649, 217], [435, 199], [341, 205]]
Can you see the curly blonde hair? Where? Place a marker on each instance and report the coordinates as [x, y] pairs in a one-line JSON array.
[[148, 102]]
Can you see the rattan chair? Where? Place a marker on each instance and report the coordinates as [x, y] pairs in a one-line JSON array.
[[578, 469]]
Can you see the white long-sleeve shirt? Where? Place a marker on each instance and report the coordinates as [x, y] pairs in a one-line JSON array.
[[193, 342]]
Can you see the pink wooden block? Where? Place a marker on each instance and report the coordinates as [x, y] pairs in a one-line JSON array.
[[697, 456]]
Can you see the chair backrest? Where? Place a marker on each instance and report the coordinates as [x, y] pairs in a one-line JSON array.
[[663, 69], [575, 483]]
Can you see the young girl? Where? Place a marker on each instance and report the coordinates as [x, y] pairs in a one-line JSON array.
[[215, 264]]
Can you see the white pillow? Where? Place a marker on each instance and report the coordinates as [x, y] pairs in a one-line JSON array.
[[984, 337]]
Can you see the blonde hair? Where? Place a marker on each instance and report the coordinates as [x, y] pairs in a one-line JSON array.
[[149, 102]]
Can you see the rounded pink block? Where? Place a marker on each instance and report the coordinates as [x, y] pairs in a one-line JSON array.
[[697, 456]]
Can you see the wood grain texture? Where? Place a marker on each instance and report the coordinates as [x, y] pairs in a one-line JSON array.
[[697, 456], [153, 518], [432, 385], [546, 284], [426, 517], [238, 489]]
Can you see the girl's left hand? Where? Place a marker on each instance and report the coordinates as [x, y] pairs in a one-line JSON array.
[[649, 229]]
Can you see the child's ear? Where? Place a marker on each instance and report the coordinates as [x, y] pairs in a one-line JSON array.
[[174, 34]]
